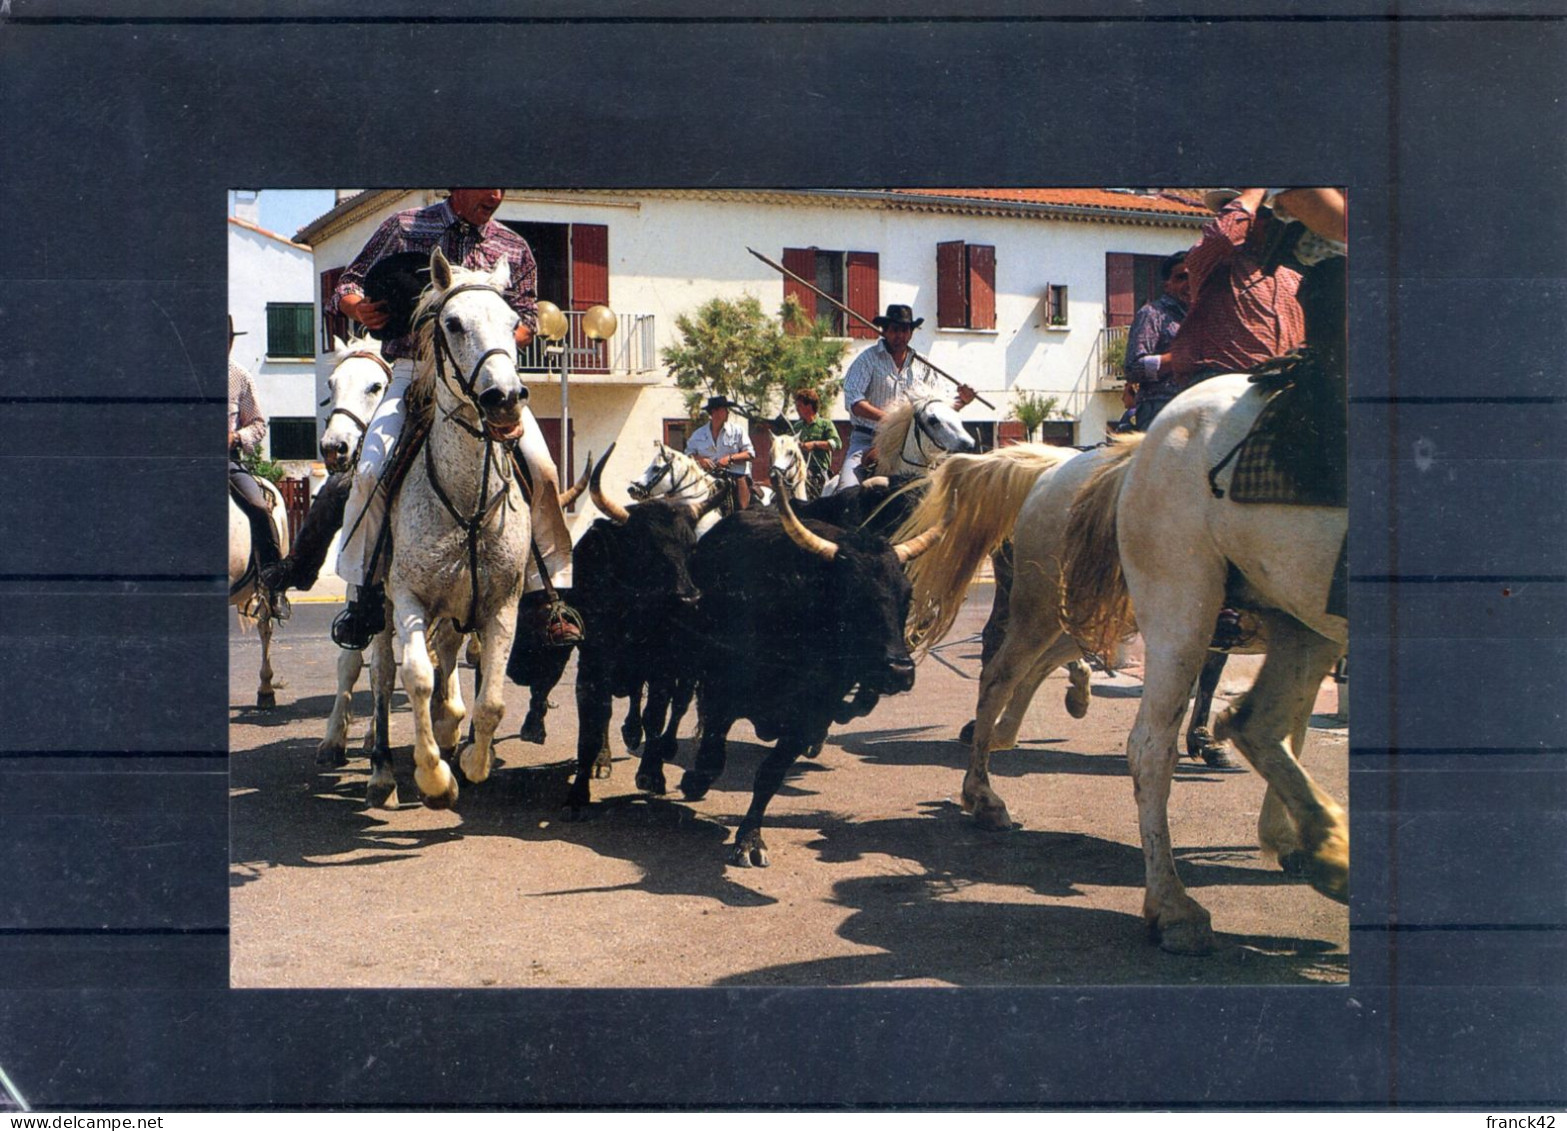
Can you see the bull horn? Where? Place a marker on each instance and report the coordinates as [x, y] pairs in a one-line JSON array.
[[574, 492], [824, 548], [614, 510], [914, 547], [878, 482]]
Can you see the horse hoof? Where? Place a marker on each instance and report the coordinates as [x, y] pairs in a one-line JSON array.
[[1078, 695], [331, 757], [631, 736], [532, 732], [994, 818], [694, 786], [1188, 938], [1327, 878], [442, 800], [652, 781], [966, 735], [266, 700], [475, 768], [603, 769], [381, 795]]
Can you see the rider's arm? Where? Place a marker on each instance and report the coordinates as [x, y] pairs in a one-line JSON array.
[[252, 426]]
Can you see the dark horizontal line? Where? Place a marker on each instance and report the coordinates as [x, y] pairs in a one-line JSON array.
[[116, 932], [1455, 751], [1458, 578], [112, 400], [598, 21], [1424, 928], [105, 754], [194, 578], [1457, 400]]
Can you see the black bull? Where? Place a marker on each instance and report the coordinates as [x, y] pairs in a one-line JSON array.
[[793, 639]]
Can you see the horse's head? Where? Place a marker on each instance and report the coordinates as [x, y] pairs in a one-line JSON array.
[[655, 474], [931, 429], [788, 461], [359, 379], [472, 339]]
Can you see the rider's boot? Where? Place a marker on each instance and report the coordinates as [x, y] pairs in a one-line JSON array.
[[363, 618]]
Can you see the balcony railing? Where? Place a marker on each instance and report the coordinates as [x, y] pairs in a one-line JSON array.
[[630, 353], [1110, 354]]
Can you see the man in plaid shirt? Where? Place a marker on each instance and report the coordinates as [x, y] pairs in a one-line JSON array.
[[462, 226]]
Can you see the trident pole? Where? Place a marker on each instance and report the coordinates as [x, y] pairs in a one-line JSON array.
[[782, 270]]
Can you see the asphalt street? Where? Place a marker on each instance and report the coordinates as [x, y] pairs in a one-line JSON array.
[[877, 877]]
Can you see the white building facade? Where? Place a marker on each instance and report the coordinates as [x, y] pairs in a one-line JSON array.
[[1022, 291], [272, 299]]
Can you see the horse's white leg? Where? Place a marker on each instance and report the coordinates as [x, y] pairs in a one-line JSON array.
[[333, 750], [437, 784], [489, 705], [381, 792], [266, 694], [997, 683], [1058, 651], [447, 711], [1265, 724]]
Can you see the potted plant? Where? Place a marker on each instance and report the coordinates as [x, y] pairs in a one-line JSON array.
[[1031, 409]]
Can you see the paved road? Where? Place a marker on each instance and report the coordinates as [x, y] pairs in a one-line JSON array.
[[878, 878]]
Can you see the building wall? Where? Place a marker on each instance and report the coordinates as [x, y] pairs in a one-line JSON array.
[[263, 270], [668, 255]]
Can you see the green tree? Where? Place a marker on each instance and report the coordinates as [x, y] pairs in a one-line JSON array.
[[734, 349], [1032, 409]]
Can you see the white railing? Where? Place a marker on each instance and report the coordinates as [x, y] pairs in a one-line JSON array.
[[629, 353]]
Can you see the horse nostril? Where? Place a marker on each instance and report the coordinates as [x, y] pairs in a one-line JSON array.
[[492, 399]]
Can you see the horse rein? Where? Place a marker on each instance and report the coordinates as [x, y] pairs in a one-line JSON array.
[[471, 525]]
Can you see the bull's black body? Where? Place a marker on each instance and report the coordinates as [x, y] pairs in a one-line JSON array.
[[877, 508], [794, 643], [634, 591]]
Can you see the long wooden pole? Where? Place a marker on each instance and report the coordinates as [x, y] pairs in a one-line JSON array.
[[782, 270]]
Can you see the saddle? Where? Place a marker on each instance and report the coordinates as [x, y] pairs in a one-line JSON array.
[[1295, 453]]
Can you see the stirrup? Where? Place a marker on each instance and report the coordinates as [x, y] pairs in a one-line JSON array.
[[558, 625], [365, 617]]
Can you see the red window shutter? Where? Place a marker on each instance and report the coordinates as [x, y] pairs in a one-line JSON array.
[[951, 284], [332, 323], [802, 261], [981, 287], [1119, 282], [1009, 432], [550, 427], [589, 265], [864, 291]]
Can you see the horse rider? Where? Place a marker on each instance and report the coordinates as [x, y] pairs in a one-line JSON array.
[[1154, 327], [462, 226], [881, 374], [723, 447], [247, 428], [817, 437]]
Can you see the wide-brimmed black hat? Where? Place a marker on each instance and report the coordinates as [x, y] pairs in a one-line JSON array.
[[898, 315], [233, 333], [719, 401], [398, 281]]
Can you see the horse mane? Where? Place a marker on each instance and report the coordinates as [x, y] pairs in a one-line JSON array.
[[976, 498], [1096, 607], [423, 385], [891, 433]]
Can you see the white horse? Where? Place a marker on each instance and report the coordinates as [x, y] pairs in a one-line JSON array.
[[675, 475], [1120, 552], [246, 593], [460, 525], [358, 381], [913, 436]]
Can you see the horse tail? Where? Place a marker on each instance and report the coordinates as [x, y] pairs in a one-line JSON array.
[[1096, 608], [976, 498]]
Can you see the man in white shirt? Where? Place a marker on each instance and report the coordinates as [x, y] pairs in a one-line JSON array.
[[880, 375], [723, 447]]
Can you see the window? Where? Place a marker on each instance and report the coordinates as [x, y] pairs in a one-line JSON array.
[[332, 325], [1131, 282], [965, 286], [1055, 305], [676, 429], [291, 329], [851, 277], [1058, 432], [292, 437]]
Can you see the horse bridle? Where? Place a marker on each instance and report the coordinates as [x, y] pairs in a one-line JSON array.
[[363, 425], [921, 434], [675, 485], [473, 524]]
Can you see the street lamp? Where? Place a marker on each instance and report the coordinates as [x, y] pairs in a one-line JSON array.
[[598, 324]]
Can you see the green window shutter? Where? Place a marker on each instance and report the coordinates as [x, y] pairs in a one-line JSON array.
[[290, 329]]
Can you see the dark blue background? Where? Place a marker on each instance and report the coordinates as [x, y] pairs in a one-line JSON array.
[[119, 140]]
